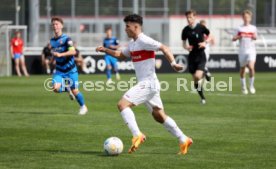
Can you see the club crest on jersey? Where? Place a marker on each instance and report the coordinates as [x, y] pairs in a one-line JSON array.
[[60, 42], [158, 63]]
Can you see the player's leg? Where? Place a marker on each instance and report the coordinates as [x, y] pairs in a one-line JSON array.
[[114, 63], [57, 81], [108, 68], [197, 77], [206, 70], [23, 65], [77, 94], [155, 106], [47, 65], [128, 116], [136, 95], [251, 67], [17, 68], [243, 64]]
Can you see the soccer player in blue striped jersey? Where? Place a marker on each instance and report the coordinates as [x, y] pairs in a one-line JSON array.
[[111, 42], [65, 79]]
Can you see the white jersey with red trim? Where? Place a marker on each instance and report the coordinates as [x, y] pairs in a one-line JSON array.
[[142, 53], [247, 44]]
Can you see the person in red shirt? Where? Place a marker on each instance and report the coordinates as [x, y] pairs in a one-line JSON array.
[[16, 48]]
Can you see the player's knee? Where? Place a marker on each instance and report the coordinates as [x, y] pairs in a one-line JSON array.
[[75, 92], [121, 106], [109, 67], [158, 116], [56, 89]]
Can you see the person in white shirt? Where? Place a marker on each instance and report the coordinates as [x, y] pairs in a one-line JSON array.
[[141, 49], [247, 34], [207, 49]]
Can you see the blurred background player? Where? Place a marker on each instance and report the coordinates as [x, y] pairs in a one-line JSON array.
[[112, 43], [196, 33], [66, 70], [247, 34], [78, 58], [47, 58], [207, 50], [16, 49], [147, 91]]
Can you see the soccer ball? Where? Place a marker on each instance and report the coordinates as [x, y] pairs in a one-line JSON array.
[[113, 146]]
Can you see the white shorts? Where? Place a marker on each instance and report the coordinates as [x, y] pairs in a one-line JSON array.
[[245, 58], [147, 92]]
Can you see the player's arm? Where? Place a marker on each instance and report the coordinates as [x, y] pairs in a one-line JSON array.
[[254, 36], [169, 56], [236, 36], [206, 32], [186, 46], [71, 52], [116, 45], [42, 58], [115, 53], [11, 51]]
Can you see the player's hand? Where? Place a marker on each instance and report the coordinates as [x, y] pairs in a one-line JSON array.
[[56, 54], [238, 37], [100, 49], [177, 67], [254, 36], [201, 45], [189, 48]]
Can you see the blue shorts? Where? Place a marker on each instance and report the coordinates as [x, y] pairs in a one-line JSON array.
[[69, 79], [109, 60], [17, 55]]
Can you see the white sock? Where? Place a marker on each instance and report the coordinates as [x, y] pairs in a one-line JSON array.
[[172, 127], [251, 81], [243, 83], [129, 119]]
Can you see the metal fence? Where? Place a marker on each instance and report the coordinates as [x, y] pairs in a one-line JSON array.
[[83, 18]]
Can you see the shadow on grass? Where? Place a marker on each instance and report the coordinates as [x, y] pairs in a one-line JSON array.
[[39, 113], [98, 153]]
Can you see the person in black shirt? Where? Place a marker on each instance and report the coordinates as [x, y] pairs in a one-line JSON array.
[[47, 58], [195, 34]]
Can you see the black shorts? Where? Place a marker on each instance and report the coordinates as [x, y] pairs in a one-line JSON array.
[[48, 57], [196, 61]]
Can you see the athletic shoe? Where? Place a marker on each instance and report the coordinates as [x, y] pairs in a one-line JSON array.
[[71, 95], [208, 76], [184, 146], [203, 101], [252, 90], [48, 71], [244, 91], [118, 77], [83, 110], [109, 81], [136, 141]]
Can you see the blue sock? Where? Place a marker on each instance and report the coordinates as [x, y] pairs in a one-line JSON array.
[[62, 89], [108, 73], [80, 99]]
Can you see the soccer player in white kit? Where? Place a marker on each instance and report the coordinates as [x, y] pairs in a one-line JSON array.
[[247, 34], [142, 49]]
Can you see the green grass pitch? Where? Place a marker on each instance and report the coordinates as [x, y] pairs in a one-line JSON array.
[[41, 129]]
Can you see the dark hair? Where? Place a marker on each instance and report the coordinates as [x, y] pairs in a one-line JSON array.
[[247, 12], [57, 19], [134, 18], [190, 12], [108, 28]]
